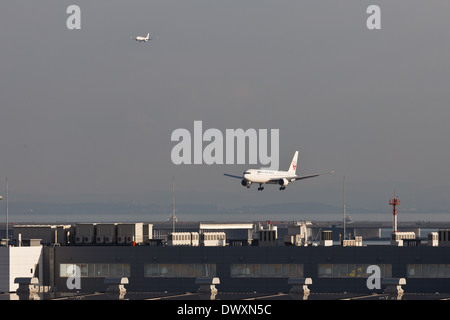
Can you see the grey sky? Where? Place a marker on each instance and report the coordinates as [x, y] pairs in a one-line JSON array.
[[87, 114]]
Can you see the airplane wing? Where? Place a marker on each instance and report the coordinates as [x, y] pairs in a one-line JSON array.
[[295, 177], [310, 176], [232, 176]]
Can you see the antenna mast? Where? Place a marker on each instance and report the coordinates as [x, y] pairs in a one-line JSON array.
[[394, 203], [7, 231]]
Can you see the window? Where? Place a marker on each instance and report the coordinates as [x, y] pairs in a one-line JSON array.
[[166, 270], [101, 270], [84, 269], [325, 271], [340, 271]]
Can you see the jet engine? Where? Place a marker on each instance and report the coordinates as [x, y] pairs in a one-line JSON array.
[[246, 183], [283, 182]]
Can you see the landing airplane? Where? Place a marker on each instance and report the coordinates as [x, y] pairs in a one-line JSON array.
[[265, 176], [145, 39]]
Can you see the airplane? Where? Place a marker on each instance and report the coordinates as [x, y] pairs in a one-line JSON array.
[[266, 176], [145, 39]]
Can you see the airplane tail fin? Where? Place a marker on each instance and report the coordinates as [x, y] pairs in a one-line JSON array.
[[148, 35], [293, 166]]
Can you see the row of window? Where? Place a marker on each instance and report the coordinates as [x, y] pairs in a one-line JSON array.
[[266, 270], [351, 270], [94, 270], [248, 270], [179, 270], [428, 271]]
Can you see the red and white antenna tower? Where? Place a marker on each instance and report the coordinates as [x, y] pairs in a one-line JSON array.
[[394, 203]]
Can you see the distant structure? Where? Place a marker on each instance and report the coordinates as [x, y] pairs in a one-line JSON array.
[[173, 218], [394, 203], [400, 238]]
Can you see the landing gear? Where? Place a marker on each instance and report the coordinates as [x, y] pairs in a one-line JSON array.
[[261, 188], [282, 187]]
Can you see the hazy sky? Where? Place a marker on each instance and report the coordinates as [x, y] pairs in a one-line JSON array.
[[88, 114]]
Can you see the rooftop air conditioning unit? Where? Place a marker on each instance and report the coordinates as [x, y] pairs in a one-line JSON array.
[[121, 239], [78, 239], [326, 238], [109, 239]]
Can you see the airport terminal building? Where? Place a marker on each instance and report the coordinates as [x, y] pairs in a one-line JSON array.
[[255, 260], [250, 268]]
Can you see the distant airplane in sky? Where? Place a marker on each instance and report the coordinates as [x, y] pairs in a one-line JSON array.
[[145, 39], [266, 176]]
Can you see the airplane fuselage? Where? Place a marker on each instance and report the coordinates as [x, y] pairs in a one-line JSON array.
[[145, 39], [265, 176]]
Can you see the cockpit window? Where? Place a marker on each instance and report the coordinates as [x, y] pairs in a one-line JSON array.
[[247, 172]]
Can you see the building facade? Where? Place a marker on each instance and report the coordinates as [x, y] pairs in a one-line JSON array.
[[246, 268]]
